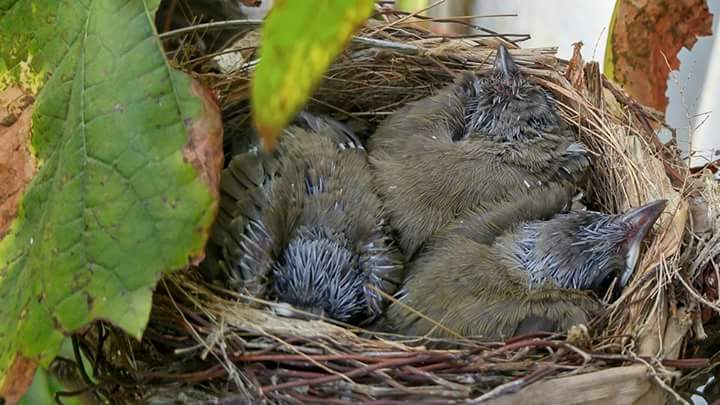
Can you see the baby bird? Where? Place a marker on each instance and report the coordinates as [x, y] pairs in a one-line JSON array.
[[304, 227], [480, 140], [517, 269]]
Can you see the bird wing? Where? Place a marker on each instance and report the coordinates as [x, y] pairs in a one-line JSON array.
[[484, 223], [382, 261], [439, 118], [508, 312], [555, 309], [573, 163], [461, 289], [240, 230]]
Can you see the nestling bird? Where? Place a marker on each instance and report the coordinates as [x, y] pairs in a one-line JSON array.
[[304, 226], [517, 269], [480, 140]]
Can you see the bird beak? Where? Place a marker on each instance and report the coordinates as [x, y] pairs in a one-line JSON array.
[[641, 221], [504, 63]]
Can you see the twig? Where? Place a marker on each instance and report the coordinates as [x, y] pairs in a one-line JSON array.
[[416, 312], [381, 43], [211, 26], [355, 373], [79, 362], [513, 386], [407, 17]]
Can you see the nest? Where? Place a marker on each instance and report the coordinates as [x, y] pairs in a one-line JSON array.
[[204, 342]]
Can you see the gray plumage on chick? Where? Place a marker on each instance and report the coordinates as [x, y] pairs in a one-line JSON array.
[[482, 140], [304, 226], [518, 268]]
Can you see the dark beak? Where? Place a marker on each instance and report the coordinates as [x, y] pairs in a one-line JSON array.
[[644, 217], [504, 63], [641, 221]]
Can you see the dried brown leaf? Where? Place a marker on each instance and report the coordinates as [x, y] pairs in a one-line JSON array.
[[204, 148], [645, 40], [17, 165], [575, 73], [19, 378]]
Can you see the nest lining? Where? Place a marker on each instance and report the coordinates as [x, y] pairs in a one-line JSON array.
[[207, 342]]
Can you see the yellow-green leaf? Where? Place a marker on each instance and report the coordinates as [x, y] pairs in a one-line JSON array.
[[300, 39]]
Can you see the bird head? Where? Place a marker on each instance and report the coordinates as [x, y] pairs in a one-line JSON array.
[[506, 106], [319, 275], [506, 72], [581, 249]]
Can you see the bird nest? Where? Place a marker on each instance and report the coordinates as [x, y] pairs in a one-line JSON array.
[[206, 342]]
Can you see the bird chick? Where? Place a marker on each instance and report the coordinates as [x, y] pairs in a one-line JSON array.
[[517, 269], [481, 140], [304, 226]]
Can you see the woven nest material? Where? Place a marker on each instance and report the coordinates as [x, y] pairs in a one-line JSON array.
[[205, 342]]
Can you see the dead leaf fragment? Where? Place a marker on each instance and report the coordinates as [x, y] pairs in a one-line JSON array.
[[575, 73], [13, 102], [17, 165], [204, 148], [18, 380], [645, 40]]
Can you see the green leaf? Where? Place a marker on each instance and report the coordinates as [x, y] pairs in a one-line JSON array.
[[608, 61], [411, 5], [43, 391], [46, 384], [300, 40], [114, 203]]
